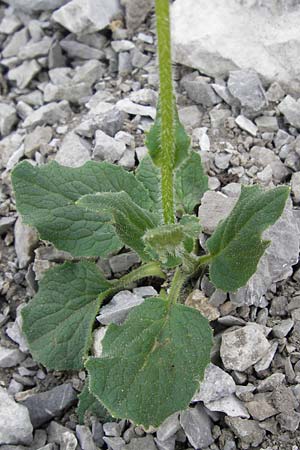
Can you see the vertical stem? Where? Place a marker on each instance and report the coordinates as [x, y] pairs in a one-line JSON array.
[[162, 10]]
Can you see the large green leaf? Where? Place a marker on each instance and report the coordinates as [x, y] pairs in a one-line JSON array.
[[87, 402], [130, 220], [46, 197], [153, 140], [151, 366], [58, 321], [236, 246], [190, 183], [148, 174]]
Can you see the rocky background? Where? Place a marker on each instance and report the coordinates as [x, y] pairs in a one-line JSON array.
[[78, 81]]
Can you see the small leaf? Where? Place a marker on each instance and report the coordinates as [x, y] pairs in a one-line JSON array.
[[151, 366], [190, 183], [165, 243], [149, 175], [46, 197], [130, 220], [87, 402], [58, 321], [153, 140], [236, 246]]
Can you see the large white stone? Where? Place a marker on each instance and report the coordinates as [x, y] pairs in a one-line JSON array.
[[86, 16], [36, 5], [219, 36]]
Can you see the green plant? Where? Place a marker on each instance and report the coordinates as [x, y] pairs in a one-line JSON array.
[[151, 365]]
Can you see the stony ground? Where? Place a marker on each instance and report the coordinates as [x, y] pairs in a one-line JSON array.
[[73, 91]]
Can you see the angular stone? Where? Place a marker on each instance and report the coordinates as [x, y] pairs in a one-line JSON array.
[[267, 123], [122, 45], [6, 223], [265, 362], [9, 24], [169, 427], [242, 348], [10, 357], [36, 49], [98, 336], [290, 421], [46, 405], [85, 438], [107, 148], [282, 328], [49, 114], [277, 261], [290, 108], [248, 431], [214, 207], [15, 333], [190, 117], [144, 443], [86, 16], [15, 425], [24, 73], [74, 151], [26, 239], [260, 409], [18, 41], [197, 300], [200, 91], [8, 146], [275, 92], [197, 427], [269, 383], [283, 399], [295, 185], [129, 107], [169, 444], [231, 406], [30, 6], [215, 385], [136, 12], [72, 92], [245, 86], [144, 97], [123, 262], [8, 118], [118, 308], [236, 35], [145, 291], [246, 125], [38, 137], [115, 443], [88, 73], [77, 50]]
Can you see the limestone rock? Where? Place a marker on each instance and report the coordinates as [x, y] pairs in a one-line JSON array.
[[136, 12], [216, 385], [118, 308], [24, 73], [26, 239], [49, 114], [30, 6], [8, 118], [290, 108], [86, 16], [218, 37], [74, 151], [214, 207], [197, 426], [15, 425]]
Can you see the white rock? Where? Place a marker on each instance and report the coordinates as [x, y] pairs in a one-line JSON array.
[[8, 146], [107, 148], [9, 24], [231, 406], [26, 239], [136, 12], [122, 45], [15, 425], [74, 151], [8, 118], [144, 97], [129, 107], [35, 49], [36, 5], [169, 427], [86, 16], [246, 125], [214, 207], [242, 348], [14, 331], [197, 427], [265, 362], [119, 307], [49, 114], [145, 291], [215, 385], [24, 73], [72, 92], [290, 108], [18, 41], [277, 261], [10, 357], [295, 185], [219, 36], [98, 337]]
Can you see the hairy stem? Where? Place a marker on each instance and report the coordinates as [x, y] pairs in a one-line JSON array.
[[151, 269], [178, 281], [167, 137]]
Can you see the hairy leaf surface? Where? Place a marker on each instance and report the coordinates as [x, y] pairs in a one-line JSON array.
[[87, 402], [190, 183], [46, 199], [149, 175], [153, 140], [151, 365], [130, 220], [236, 246], [58, 321]]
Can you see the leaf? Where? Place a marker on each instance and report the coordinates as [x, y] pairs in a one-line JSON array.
[[149, 175], [151, 366], [168, 243], [58, 321], [46, 197], [130, 220], [153, 140], [87, 402], [190, 183], [236, 246]]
